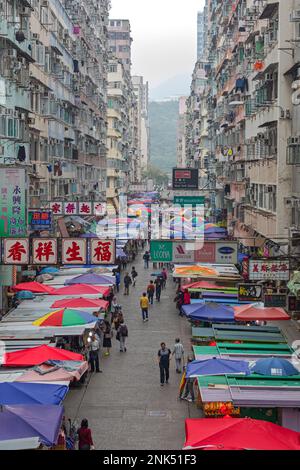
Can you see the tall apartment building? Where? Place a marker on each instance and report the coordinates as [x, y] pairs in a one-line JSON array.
[[181, 152], [201, 34], [141, 90], [120, 41], [252, 98], [53, 57], [121, 132]]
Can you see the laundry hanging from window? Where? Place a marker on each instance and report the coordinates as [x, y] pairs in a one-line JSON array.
[[242, 84]]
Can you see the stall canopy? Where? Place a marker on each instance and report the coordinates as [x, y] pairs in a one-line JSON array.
[[38, 355], [50, 373], [276, 366], [13, 393], [93, 279], [253, 312], [65, 317], [207, 286], [82, 289], [238, 434], [50, 270], [81, 303], [216, 366], [209, 312], [23, 421], [35, 287]]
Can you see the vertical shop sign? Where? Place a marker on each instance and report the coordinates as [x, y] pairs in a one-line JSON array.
[[13, 218]]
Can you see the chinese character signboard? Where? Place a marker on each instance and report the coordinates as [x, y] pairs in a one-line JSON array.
[[250, 292], [16, 251], [70, 208], [100, 208], [13, 220], [268, 269], [275, 300], [40, 220], [74, 251], [84, 208], [185, 178], [103, 251], [57, 208], [189, 200], [44, 251]]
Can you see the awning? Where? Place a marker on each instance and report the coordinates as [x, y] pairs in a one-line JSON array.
[[268, 124], [293, 69], [269, 10]]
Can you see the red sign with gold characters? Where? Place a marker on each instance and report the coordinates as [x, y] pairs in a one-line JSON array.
[[16, 251], [73, 251], [44, 251], [102, 251]]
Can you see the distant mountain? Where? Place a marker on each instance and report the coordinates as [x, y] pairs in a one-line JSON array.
[[163, 116], [174, 87]]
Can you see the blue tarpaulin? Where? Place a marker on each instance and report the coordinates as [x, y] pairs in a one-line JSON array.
[[274, 366], [23, 393], [216, 366], [209, 312]]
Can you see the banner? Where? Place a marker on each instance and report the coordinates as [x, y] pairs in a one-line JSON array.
[[13, 220], [215, 252]]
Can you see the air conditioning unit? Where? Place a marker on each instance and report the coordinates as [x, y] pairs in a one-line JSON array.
[[288, 202], [45, 3], [31, 121], [35, 36], [25, 11]]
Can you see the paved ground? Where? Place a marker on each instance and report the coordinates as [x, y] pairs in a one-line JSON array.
[[125, 406]]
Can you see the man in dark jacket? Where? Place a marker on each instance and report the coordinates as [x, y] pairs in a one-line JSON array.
[[127, 282], [164, 356]]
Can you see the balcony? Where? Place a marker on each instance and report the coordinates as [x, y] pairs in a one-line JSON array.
[[9, 31]]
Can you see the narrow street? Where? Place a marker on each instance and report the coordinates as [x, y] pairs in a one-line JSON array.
[[125, 405]]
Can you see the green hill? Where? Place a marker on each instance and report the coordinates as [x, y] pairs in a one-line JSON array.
[[163, 117]]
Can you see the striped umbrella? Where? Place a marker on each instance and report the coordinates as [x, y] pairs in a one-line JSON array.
[[65, 317]]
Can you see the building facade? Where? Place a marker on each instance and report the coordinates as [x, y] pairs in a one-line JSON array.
[[141, 90], [201, 34], [120, 41], [53, 81]]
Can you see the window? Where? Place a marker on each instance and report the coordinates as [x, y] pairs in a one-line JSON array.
[[112, 68]]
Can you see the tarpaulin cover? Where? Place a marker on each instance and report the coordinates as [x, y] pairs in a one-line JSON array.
[[204, 285], [34, 287], [21, 421], [50, 270], [217, 366], [275, 366], [34, 356], [252, 312], [238, 434], [65, 317], [209, 312], [48, 373], [81, 303], [91, 278], [82, 289], [13, 393]]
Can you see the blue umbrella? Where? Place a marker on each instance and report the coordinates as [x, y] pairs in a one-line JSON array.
[[49, 270], [216, 366], [274, 366], [25, 294], [209, 311], [22, 393]]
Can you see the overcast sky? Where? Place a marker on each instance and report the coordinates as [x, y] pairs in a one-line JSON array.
[[164, 36]]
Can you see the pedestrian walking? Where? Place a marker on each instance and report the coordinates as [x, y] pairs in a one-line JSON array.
[[144, 304], [178, 352], [122, 334], [189, 387], [127, 283], [164, 356], [150, 292], [157, 283], [124, 262], [146, 259], [134, 275], [164, 276], [118, 280], [85, 441], [179, 299], [108, 334], [94, 349], [118, 320], [186, 297]]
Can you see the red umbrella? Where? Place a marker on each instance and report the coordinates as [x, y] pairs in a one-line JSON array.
[[238, 434], [82, 289], [203, 285], [251, 312], [81, 303], [35, 287], [35, 356]]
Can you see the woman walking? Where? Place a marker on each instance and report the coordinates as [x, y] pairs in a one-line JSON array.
[[107, 337], [85, 436], [122, 334]]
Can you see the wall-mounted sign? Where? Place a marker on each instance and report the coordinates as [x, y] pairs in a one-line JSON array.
[[13, 220], [250, 292], [103, 251], [40, 220], [44, 251], [275, 300], [189, 200], [161, 251], [185, 178], [16, 251], [189, 252], [269, 269]]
